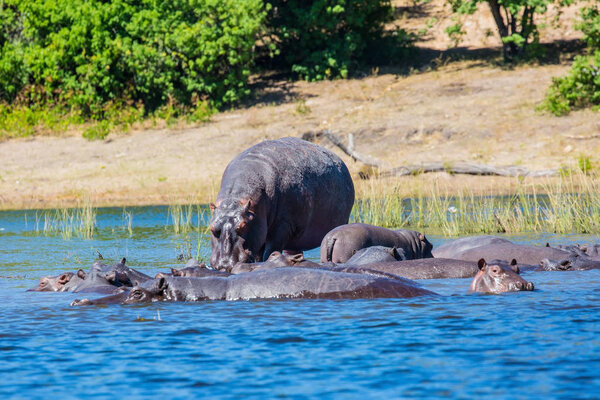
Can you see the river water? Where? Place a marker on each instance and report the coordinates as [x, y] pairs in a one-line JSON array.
[[544, 343]]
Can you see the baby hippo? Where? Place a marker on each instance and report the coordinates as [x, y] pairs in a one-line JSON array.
[[497, 278], [344, 241]]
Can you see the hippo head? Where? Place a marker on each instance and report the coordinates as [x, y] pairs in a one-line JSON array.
[[237, 236], [52, 283], [552, 265], [496, 278], [155, 292]]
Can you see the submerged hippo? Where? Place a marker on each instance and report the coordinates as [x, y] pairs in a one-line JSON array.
[[344, 241], [64, 282], [275, 260], [526, 254], [495, 279], [573, 262], [375, 254], [283, 194], [192, 269], [457, 246], [284, 282]]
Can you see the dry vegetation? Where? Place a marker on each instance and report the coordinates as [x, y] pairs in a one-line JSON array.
[[458, 105]]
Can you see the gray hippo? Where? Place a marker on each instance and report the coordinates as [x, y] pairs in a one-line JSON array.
[[275, 283], [573, 262], [496, 279], [344, 241], [283, 194], [275, 260], [457, 246], [64, 282], [526, 254], [192, 269], [375, 254]]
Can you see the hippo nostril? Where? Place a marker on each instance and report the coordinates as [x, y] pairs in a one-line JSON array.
[[519, 285]]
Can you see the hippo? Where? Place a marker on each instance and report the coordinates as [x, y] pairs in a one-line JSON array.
[[192, 268], [375, 254], [284, 282], [457, 246], [275, 260], [573, 262], [526, 254], [341, 243], [120, 274], [64, 282], [496, 279], [283, 194], [95, 281]]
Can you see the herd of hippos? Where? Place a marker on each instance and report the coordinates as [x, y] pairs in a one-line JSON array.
[[281, 197]]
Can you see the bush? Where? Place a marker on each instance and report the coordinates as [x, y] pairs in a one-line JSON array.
[[579, 89], [590, 26], [93, 52], [323, 39]]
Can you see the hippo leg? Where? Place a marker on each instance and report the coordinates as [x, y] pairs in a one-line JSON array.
[[282, 235]]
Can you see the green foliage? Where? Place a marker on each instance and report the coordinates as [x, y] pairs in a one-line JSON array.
[[515, 20], [324, 39], [579, 89], [590, 26], [90, 53]]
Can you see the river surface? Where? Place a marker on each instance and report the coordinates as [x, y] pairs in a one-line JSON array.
[[541, 344]]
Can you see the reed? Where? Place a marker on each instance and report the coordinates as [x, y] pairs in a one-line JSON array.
[[68, 222], [568, 204]]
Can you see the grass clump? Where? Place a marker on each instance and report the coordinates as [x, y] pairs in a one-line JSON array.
[[68, 222]]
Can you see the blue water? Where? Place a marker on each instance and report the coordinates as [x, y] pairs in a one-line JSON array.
[[537, 344]]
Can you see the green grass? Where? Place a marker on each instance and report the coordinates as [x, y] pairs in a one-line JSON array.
[[67, 222], [571, 204]]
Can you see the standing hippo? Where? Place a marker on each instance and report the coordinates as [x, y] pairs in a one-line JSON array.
[[283, 194], [344, 241], [497, 279]]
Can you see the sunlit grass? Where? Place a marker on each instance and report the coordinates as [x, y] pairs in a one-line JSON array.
[[67, 222], [568, 204]]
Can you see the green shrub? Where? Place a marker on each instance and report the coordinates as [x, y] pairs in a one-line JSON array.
[[579, 89], [88, 53], [323, 39], [590, 26]]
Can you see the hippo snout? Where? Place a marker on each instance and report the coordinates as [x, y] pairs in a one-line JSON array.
[[521, 286], [529, 286]]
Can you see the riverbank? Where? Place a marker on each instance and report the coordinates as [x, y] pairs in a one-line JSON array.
[[463, 111]]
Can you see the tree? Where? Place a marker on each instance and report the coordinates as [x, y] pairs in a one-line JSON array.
[[515, 20]]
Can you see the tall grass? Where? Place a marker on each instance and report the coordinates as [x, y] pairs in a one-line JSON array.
[[561, 205], [190, 222], [67, 222]]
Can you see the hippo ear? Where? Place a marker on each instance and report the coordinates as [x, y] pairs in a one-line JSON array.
[[513, 262], [274, 255], [481, 264], [162, 284], [176, 272], [397, 254], [64, 278], [81, 274], [547, 244], [212, 207], [421, 237], [123, 260]]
